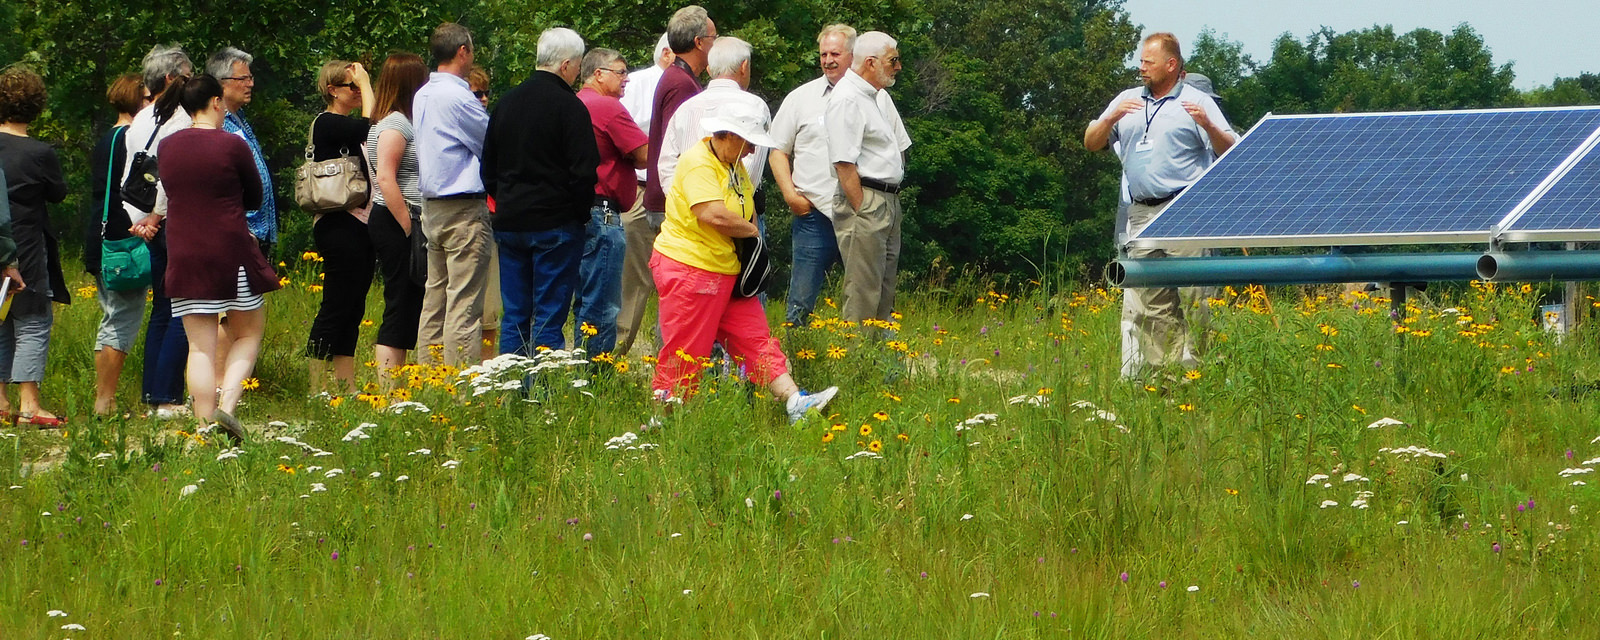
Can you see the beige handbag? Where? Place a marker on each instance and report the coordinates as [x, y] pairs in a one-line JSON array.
[[329, 185]]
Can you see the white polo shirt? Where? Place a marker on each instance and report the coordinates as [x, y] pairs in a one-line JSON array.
[[685, 130], [639, 99], [862, 132], [802, 135]]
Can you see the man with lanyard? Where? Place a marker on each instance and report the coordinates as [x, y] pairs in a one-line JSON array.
[[690, 33], [1176, 134]]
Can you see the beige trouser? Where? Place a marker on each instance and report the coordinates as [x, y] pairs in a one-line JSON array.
[[459, 242], [1159, 317], [639, 228], [869, 246]]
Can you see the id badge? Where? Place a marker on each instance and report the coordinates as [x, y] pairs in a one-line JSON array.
[[1143, 145]]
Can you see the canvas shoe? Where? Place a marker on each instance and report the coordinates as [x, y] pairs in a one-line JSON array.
[[801, 402]]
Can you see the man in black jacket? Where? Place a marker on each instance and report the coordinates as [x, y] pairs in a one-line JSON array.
[[539, 162]]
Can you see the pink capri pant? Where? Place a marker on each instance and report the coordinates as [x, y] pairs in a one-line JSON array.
[[698, 308]]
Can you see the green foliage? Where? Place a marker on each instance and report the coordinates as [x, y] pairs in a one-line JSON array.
[[995, 94]]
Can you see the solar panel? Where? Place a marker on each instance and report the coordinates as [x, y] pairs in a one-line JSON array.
[[1569, 210], [1386, 178]]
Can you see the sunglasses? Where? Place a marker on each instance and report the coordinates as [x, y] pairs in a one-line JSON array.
[[481, 94]]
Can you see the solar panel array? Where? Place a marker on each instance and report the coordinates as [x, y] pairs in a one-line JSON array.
[[1383, 178], [1573, 203]]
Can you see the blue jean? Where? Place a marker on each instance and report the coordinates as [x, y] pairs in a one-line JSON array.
[[600, 276], [166, 346], [815, 251], [538, 275]]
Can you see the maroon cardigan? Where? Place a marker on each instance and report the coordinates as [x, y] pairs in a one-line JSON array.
[[211, 180]]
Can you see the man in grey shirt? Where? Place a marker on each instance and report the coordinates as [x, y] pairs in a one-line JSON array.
[[1176, 134]]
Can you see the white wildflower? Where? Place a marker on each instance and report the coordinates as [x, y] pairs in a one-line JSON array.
[[966, 517], [333, 473], [402, 478], [1329, 503], [1591, 462], [980, 594], [688, 591], [403, 407], [421, 452], [314, 468], [72, 626], [862, 454], [188, 490], [229, 454], [675, 535], [1355, 477], [56, 613], [451, 464], [1403, 522], [318, 487], [1385, 422], [1193, 588], [537, 636], [1565, 473], [375, 474], [1315, 478], [47, 513], [578, 384], [106, 456], [1579, 483], [749, 503]]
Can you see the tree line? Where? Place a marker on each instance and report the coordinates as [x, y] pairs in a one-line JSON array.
[[994, 94]]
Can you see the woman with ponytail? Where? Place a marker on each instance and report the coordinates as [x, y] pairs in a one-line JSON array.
[[215, 265]]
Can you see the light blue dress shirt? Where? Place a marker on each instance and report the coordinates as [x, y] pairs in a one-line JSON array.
[[450, 124]]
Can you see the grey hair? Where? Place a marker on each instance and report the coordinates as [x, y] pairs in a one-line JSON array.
[[840, 29], [596, 58], [726, 56], [872, 44], [558, 45], [220, 64], [164, 60], [687, 24]]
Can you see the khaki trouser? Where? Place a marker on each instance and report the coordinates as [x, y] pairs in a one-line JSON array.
[[459, 240], [1159, 317], [869, 247], [639, 228]]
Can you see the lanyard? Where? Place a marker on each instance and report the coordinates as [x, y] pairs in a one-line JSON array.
[[1151, 117], [733, 178]]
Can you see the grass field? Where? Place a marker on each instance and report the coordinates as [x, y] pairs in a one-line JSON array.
[[1012, 487]]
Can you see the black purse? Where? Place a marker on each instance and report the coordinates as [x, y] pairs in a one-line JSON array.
[[419, 251], [139, 187], [755, 267]]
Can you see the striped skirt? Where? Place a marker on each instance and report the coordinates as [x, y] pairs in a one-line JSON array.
[[242, 301]]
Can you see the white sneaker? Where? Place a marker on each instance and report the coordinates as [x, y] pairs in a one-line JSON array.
[[801, 403]]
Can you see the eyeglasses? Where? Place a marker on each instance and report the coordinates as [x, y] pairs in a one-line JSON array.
[[481, 94], [623, 73], [244, 79], [348, 85]]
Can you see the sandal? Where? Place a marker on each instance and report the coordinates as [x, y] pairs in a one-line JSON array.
[[41, 422]]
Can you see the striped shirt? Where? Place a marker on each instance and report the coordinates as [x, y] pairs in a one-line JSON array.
[[406, 173]]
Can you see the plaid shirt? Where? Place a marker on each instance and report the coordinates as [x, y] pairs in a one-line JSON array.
[[263, 222]]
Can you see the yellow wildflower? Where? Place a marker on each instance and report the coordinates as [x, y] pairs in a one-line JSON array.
[[827, 437], [865, 430], [875, 446]]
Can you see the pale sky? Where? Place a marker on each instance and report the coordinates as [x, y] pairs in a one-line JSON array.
[[1543, 38]]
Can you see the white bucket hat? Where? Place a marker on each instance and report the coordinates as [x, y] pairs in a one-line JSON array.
[[740, 120]]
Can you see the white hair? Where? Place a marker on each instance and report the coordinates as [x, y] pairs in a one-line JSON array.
[[558, 45], [872, 44], [727, 54], [220, 65]]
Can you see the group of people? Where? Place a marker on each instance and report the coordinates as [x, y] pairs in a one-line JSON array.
[[585, 203], [558, 202]]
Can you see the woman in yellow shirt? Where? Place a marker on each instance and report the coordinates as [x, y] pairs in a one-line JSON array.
[[709, 203]]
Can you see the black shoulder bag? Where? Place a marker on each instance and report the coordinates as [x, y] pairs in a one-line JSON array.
[[139, 187]]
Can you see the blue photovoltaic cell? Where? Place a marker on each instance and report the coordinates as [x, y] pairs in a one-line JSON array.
[[1377, 174], [1573, 203]]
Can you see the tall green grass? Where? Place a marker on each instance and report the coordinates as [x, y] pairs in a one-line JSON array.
[[733, 523]]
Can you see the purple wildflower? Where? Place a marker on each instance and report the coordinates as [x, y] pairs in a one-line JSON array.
[[1124, 576], [335, 555]]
